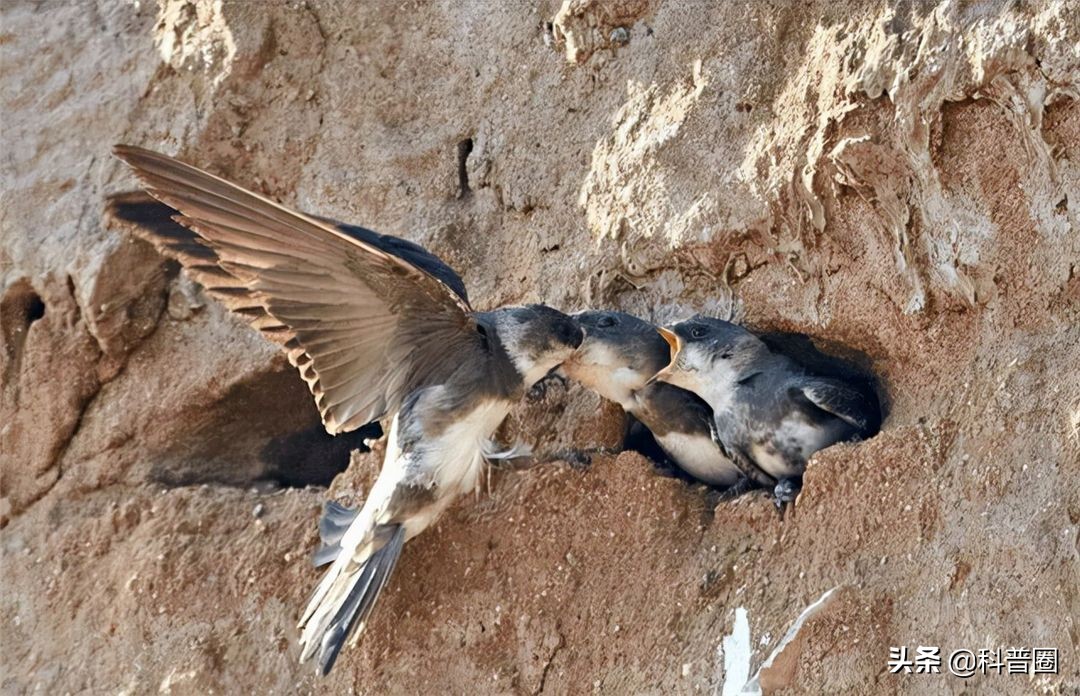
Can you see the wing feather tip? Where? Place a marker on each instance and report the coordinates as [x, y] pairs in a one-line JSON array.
[[159, 174]]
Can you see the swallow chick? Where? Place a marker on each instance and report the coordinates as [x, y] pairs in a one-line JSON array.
[[616, 360], [770, 412], [379, 328]]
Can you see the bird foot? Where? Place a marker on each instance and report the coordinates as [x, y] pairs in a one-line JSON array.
[[669, 469], [518, 456], [539, 390], [743, 485], [577, 459], [786, 491], [581, 459]]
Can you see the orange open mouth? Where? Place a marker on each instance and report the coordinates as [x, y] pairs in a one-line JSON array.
[[675, 342], [672, 339]]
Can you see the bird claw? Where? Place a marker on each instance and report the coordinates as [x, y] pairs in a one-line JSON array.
[[785, 491], [740, 487], [540, 389], [577, 459]]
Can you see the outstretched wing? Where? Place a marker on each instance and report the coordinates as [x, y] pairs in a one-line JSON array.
[[409, 251], [145, 217], [843, 401], [365, 326]]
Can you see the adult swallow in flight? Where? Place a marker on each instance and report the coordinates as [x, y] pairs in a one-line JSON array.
[[379, 328]]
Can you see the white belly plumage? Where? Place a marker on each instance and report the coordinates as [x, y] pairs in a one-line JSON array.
[[794, 434], [771, 462], [451, 462], [456, 456], [700, 457]]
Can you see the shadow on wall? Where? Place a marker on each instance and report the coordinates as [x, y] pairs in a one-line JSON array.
[[264, 432]]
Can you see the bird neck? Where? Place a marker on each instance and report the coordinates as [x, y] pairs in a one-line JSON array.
[[502, 374], [622, 385], [718, 385]]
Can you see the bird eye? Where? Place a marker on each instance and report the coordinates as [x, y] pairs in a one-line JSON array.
[[698, 332], [606, 321]]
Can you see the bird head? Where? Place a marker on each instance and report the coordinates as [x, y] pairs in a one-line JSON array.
[[618, 356], [537, 338], [707, 354]]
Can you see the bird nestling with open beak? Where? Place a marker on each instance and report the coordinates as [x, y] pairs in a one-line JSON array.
[[770, 412], [379, 328], [616, 360]]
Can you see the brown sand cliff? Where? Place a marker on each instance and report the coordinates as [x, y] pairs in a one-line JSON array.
[[900, 179]]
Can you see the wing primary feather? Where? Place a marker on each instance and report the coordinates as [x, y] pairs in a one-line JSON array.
[[331, 295]]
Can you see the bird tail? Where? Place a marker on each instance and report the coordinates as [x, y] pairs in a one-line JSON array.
[[335, 521], [343, 600]]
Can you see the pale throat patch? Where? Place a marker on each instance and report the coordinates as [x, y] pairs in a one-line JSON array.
[[531, 369], [598, 368], [712, 380]]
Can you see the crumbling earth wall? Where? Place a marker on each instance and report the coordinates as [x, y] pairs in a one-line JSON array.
[[900, 179]]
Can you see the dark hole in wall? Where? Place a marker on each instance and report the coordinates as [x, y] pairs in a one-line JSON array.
[[20, 307], [264, 432], [464, 149], [311, 457], [35, 309]]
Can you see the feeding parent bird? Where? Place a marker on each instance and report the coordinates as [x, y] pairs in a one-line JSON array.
[[770, 412], [378, 328], [616, 360]]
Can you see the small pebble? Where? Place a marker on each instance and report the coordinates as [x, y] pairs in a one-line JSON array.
[[259, 510]]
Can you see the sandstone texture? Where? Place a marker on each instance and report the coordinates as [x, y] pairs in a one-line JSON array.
[[896, 179]]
